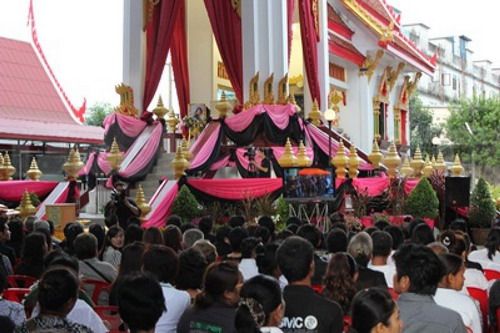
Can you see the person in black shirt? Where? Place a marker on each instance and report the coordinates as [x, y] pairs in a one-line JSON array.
[[121, 206], [310, 233], [305, 310], [264, 168]]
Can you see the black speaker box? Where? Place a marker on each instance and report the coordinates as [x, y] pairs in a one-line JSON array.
[[457, 191]]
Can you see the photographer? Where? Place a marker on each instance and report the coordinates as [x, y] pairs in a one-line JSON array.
[[262, 170], [121, 206]]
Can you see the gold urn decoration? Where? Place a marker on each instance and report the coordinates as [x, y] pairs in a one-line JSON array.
[[115, 156], [427, 171], [142, 203], [26, 208], [288, 159], [353, 162], [3, 171], [302, 159], [406, 170], [223, 106], [73, 165], [440, 163], [375, 156], [9, 169], [160, 110], [184, 146], [340, 161], [172, 121], [179, 163], [315, 114], [392, 161], [417, 163], [34, 173], [433, 162], [457, 169]]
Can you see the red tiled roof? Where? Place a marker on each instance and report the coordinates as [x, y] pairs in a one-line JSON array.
[[30, 106]]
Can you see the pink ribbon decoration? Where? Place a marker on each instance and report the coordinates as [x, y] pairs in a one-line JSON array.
[[279, 114], [13, 190], [237, 189], [223, 162], [204, 146], [130, 126], [88, 165], [161, 205]]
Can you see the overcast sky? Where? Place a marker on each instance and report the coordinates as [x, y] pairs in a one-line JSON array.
[[82, 39]]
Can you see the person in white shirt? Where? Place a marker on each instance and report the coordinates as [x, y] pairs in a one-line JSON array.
[[448, 292], [398, 238], [491, 253], [163, 262], [248, 265], [382, 246]]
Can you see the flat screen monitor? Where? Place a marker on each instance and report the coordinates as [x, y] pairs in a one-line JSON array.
[[308, 183]]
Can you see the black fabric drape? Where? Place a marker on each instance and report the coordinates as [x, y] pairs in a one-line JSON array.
[[214, 156], [124, 140], [245, 137]]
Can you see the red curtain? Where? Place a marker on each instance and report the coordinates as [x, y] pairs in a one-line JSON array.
[[310, 47], [290, 9], [179, 53], [226, 26], [159, 35]]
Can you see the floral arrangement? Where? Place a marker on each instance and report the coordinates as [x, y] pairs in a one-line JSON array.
[[193, 124]]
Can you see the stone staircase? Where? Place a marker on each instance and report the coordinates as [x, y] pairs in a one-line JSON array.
[[152, 181]]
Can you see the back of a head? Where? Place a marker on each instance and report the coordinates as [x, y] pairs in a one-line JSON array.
[[206, 224], [236, 237], [152, 236], [371, 307], [493, 242], [310, 233], [259, 297], [72, 232], [339, 225], [29, 223], [186, 226], [337, 217], [61, 259], [140, 302], [381, 224], [248, 247], [414, 223], [397, 235], [191, 236], [172, 237], [421, 266], [267, 222], [263, 234], [192, 265], [219, 278], [162, 262], [336, 241], [133, 233], [207, 249], [132, 258], [438, 248], [382, 243], [295, 256], [422, 234], [7, 325], [16, 230], [361, 248], [85, 246], [458, 224], [174, 220], [56, 289], [35, 246], [266, 259], [451, 263], [454, 241], [40, 224], [236, 221], [100, 233], [293, 220]]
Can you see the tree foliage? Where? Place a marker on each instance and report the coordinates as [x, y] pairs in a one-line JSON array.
[[482, 209], [423, 201], [185, 205], [483, 117], [97, 112], [422, 130]]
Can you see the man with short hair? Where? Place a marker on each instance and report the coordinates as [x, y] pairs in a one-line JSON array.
[[310, 233], [5, 237], [305, 310], [418, 272], [382, 245]]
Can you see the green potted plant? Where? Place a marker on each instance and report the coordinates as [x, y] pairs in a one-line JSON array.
[[423, 201], [282, 212], [482, 212], [186, 206]]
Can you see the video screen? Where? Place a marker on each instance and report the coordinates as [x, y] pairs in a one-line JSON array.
[[308, 183]]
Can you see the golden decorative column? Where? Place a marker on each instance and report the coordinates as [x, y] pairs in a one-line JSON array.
[[427, 171], [223, 106], [440, 163], [392, 161], [9, 168], [26, 208], [115, 156], [376, 119], [375, 156], [3, 171], [406, 170], [160, 110], [353, 162], [457, 169], [302, 159], [34, 173], [184, 147], [288, 159], [179, 164], [340, 161], [142, 203], [73, 164], [315, 114], [417, 163]]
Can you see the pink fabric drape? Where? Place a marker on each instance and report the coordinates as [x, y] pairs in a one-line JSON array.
[[179, 53], [159, 35], [310, 48], [12, 191], [220, 163], [203, 137], [371, 186], [290, 11], [102, 161], [88, 165], [226, 26], [159, 214], [237, 189], [410, 185], [280, 115], [130, 126], [204, 152]]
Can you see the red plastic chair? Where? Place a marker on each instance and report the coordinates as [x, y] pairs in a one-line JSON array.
[[15, 294], [317, 288], [96, 287], [110, 316], [20, 281], [347, 323], [491, 274], [394, 294], [482, 297]]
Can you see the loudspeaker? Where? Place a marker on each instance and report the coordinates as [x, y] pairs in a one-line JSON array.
[[457, 191]]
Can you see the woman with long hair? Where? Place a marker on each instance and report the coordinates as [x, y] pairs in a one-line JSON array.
[[491, 252], [261, 306], [339, 280], [374, 311], [172, 237], [215, 306], [34, 250], [113, 246], [152, 236]]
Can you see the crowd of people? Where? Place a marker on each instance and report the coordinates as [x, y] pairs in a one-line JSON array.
[[248, 277]]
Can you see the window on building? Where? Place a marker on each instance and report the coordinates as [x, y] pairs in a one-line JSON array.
[[455, 83], [382, 121], [337, 72], [445, 79]]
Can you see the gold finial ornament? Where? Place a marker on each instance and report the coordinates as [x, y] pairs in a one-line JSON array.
[[283, 90], [254, 97], [142, 203], [392, 161], [3, 171], [440, 163], [26, 208], [288, 159], [160, 110], [427, 170], [291, 100], [457, 169], [8, 167], [185, 151], [353, 162], [417, 163], [126, 106], [315, 114], [268, 90], [340, 161], [302, 159], [34, 173], [375, 156], [115, 156], [433, 162], [73, 165], [406, 171], [172, 121], [223, 106], [179, 163]]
